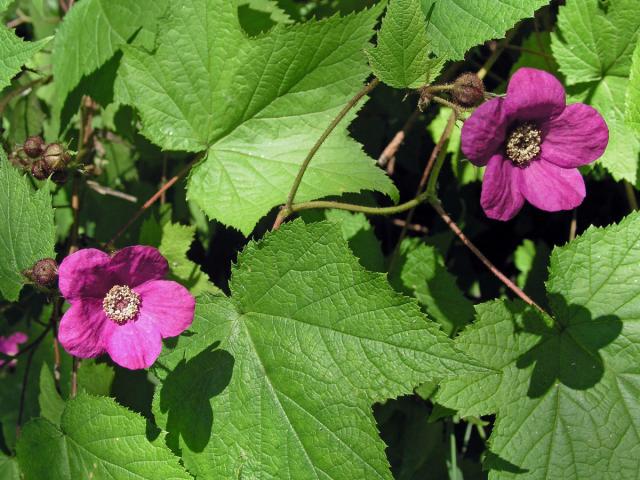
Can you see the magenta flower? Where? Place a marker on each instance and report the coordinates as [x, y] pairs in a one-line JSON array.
[[9, 346], [121, 305], [532, 144]]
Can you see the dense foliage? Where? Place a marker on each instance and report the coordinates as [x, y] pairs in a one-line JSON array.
[[382, 239]]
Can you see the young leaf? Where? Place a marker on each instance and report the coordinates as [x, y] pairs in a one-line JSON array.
[[9, 469], [401, 57], [278, 380], [14, 53], [457, 25], [632, 112], [27, 231], [425, 274], [565, 391], [97, 438], [92, 33], [593, 47], [255, 106]]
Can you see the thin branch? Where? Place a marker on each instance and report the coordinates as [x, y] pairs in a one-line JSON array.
[[152, 200], [305, 164], [23, 391], [573, 226], [463, 238], [391, 149], [414, 227], [22, 89], [74, 377]]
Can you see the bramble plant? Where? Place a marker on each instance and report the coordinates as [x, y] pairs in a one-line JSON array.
[[226, 250]]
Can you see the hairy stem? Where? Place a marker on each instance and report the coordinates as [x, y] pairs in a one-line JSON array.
[[469, 244], [111, 243], [23, 391], [305, 164]]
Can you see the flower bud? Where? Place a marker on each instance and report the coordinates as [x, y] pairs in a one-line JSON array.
[[40, 170], [468, 90], [60, 177], [55, 156], [33, 146], [44, 273]]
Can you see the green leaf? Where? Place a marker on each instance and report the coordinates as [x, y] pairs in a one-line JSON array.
[[566, 392], [278, 380], [97, 439], [27, 232], [258, 16], [593, 46], [255, 106], [9, 469], [424, 273], [174, 240], [14, 53], [532, 260], [632, 112], [51, 403], [92, 33], [95, 378], [401, 57], [457, 25]]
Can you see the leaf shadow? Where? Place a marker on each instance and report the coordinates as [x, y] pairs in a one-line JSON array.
[[568, 351], [186, 394]]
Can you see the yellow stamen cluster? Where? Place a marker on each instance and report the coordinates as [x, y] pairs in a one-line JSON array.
[[523, 144], [121, 304]]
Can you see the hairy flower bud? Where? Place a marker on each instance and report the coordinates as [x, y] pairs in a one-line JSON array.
[[40, 170], [44, 273], [33, 146], [60, 177], [468, 90], [55, 156]]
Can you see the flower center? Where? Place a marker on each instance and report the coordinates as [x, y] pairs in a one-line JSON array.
[[121, 304], [523, 144]]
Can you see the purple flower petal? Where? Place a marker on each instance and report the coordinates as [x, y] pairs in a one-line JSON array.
[[551, 188], [135, 265], [84, 274], [167, 305], [85, 329], [533, 95], [9, 345], [135, 345], [576, 137], [484, 131], [501, 198]]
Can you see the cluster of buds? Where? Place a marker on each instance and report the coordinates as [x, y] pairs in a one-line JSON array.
[[466, 92], [44, 273], [44, 160]]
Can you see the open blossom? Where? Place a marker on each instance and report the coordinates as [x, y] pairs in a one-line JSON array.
[[9, 346], [121, 305], [532, 143]]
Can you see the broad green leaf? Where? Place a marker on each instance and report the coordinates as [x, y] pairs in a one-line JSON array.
[[9, 469], [174, 240], [532, 260], [95, 378], [255, 106], [401, 57], [92, 33], [27, 232], [425, 274], [97, 439], [14, 53], [632, 112], [258, 16], [51, 403], [357, 231], [278, 380], [457, 25], [539, 42], [593, 46], [566, 392]]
